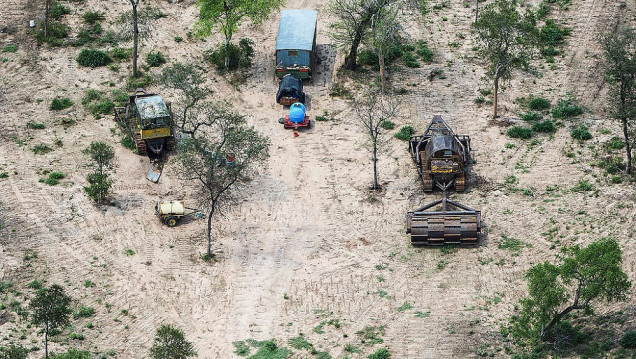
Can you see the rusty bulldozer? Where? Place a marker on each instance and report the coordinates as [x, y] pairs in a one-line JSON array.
[[441, 158]]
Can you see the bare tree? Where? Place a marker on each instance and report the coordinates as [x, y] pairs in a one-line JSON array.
[[372, 110], [221, 159], [619, 49], [137, 25], [47, 16]]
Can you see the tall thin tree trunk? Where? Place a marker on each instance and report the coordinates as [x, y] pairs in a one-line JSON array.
[[227, 53], [382, 77], [47, 14], [135, 35], [375, 166], [46, 343], [494, 102], [476, 10], [628, 146], [209, 232]]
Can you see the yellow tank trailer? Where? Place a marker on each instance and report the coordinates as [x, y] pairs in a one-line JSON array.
[[171, 212]]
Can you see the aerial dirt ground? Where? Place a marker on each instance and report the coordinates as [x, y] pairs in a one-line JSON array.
[[307, 242]]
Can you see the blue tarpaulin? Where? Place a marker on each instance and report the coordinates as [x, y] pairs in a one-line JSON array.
[[296, 30]]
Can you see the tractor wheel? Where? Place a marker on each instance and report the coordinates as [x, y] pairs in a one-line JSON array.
[[141, 145], [171, 221]]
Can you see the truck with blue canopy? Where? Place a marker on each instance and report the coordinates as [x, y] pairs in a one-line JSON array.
[[295, 43]]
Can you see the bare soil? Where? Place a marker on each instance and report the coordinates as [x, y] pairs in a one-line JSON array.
[[307, 242]]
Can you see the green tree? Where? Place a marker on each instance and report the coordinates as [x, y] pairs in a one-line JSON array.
[[505, 39], [220, 159], [228, 15], [385, 31], [619, 49], [170, 343], [99, 181], [13, 352], [51, 309], [554, 291]]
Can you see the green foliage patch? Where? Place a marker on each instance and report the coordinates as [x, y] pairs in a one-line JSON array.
[[519, 132], [93, 58]]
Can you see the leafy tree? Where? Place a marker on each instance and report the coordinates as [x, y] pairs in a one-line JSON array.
[[505, 39], [73, 353], [385, 31], [207, 160], [13, 352], [353, 19], [137, 25], [372, 110], [51, 309], [99, 181], [170, 343], [583, 276], [228, 15], [619, 49]]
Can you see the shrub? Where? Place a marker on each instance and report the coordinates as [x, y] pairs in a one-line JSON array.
[[120, 98], [581, 133], [36, 126], [616, 143], [539, 103], [405, 133], [58, 104], [387, 125], [57, 175], [84, 312], [140, 82], [41, 149], [88, 34], [121, 54], [90, 96], [410, 60], [382, 353], [10, 48], [567, 108], [519, 132], [546, 126], [57, 10], [103, 107], [57, 32], [551, 34], [424, 52], [629, 340], [93, 58], [368, 58], [531, 116], [549, 51], [178, 39], [239, 56], [155, 59], [583, 186], [128, 142], [92, 17]]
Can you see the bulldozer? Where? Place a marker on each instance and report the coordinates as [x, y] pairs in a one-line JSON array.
[[441, 158], [440, 155], [148, 121]]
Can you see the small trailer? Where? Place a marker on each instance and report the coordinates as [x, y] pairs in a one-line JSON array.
[[171, 212], [290, 90], [297, 117], [296, 43]]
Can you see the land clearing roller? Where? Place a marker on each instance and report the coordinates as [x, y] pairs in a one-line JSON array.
[[441, 158]]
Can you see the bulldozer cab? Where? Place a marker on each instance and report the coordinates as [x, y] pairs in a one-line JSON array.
[[152, 112]]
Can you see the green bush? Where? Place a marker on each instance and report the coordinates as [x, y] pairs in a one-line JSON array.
[[551, 34], [405, 133], [583, 186], [519, 132], [387, 125], [546, 126], [41, 149], [581, 133], [60, 103], [128, 142], [424, 52], [103, 107], [90, 96], [142, 81], [367, 58], [567, 108], [57, 32], [629, 340], [84, 312], [88, 34], [531, 116], [120, 98], [539, 103], [56, 175], [240, 57], [57, 10], [92, 17], [10, 48], [121, 54], [155, 59], [93, 58], [616, 143], [549, 51], [382, 353], [36, 126], [410, 60]]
